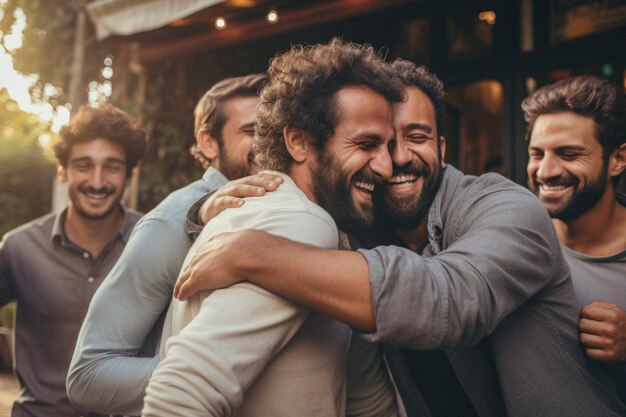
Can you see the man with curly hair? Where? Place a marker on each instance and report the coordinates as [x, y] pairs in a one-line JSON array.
[[323, 126], [464, 283], [53, 265]]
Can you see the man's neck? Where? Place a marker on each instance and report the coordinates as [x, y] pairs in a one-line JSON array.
[[92, 234], [599, 232]]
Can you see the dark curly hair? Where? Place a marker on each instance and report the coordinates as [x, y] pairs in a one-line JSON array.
[[302, 94], [103, 122], [209, 113], [428, 83], [586, 95]]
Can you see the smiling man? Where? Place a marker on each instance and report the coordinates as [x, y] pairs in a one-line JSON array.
[[470, 293], [53, 265], [324, 122], [117, 354], [577, 155]]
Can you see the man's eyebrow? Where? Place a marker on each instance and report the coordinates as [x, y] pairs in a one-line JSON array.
[[418, 126], [81, 159], [247, 126], [116, 160]]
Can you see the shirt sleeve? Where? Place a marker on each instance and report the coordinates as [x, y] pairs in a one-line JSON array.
[[209, 366], [370, 392], [106, 375], [500, 251], [7, 288]]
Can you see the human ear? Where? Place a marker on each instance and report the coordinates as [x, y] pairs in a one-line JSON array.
[[617, 161], [208, 145], [61, 173], [296, 143]]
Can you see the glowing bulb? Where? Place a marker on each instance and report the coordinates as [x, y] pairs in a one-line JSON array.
[[272, 16], [220, 23], [488, 16]]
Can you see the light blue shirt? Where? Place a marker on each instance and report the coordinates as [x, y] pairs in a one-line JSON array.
[[107, 374]]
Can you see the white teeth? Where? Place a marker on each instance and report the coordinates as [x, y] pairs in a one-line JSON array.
[[398, 179], [364, 185], [98, 196], [554, 187]]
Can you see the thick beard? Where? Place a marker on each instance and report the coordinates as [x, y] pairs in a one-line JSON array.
[[332, 188], [581, 201], [407, 214]]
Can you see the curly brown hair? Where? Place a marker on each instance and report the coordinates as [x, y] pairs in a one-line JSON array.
[[302, 94], [586, 95], [103, 122], [209, 113]]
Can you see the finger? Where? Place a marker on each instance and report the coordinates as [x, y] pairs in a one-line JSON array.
[[598, 313], [605, 304], [182, 279], [242, 190], [265, 180], [598, 354], [593, 341], [591, 326], [187, 289], [222, 203]]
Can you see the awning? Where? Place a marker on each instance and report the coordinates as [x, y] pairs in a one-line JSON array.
[[127, 17]]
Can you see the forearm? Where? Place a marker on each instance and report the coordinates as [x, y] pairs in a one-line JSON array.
[[333, 282]]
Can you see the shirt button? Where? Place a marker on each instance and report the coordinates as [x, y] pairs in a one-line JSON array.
[[91, 279], [86, 255]]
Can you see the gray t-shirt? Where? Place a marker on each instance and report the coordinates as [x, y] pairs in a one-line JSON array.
[[598, 277]]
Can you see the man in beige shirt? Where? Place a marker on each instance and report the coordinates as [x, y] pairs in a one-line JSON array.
[[325, 120]]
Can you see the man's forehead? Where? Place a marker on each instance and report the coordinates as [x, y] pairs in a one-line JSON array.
[[417, 108]]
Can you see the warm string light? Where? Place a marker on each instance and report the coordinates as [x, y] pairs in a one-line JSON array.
[[271, 17], [220, 23], [488, 16]]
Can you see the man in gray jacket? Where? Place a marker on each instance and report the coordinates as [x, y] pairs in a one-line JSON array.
[[477, 275]]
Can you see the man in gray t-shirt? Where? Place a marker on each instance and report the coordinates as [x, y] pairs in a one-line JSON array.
[[577, 152]]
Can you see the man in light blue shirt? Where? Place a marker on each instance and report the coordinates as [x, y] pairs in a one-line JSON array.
[[110, 370]]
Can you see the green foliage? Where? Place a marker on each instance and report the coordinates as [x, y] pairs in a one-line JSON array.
[[26, 172], [48, 41]]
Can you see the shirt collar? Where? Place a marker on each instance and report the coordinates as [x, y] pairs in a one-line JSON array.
[[213, 176], [58, 231]]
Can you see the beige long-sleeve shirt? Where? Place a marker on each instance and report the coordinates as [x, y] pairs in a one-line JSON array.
[[244, 351]]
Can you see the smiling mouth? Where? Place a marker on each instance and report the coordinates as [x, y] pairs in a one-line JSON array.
[[554, 187], [96, 196], [402, 180], [364, 186]]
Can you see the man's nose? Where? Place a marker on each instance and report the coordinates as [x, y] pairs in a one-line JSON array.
[[399, 153], [381, 164], [549, 167], [97, 179]]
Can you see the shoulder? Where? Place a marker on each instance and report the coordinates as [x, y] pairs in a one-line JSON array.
[[285, 212], [173, 209], [490, 195], [41, 226]]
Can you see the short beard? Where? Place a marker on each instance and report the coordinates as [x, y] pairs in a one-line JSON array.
[[582, 201], [332, 188], [407, 215], [232, 169]]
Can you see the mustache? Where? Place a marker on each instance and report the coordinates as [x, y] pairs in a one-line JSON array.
[[368, 176], [102, 190], [415, 167], [563, 179]]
